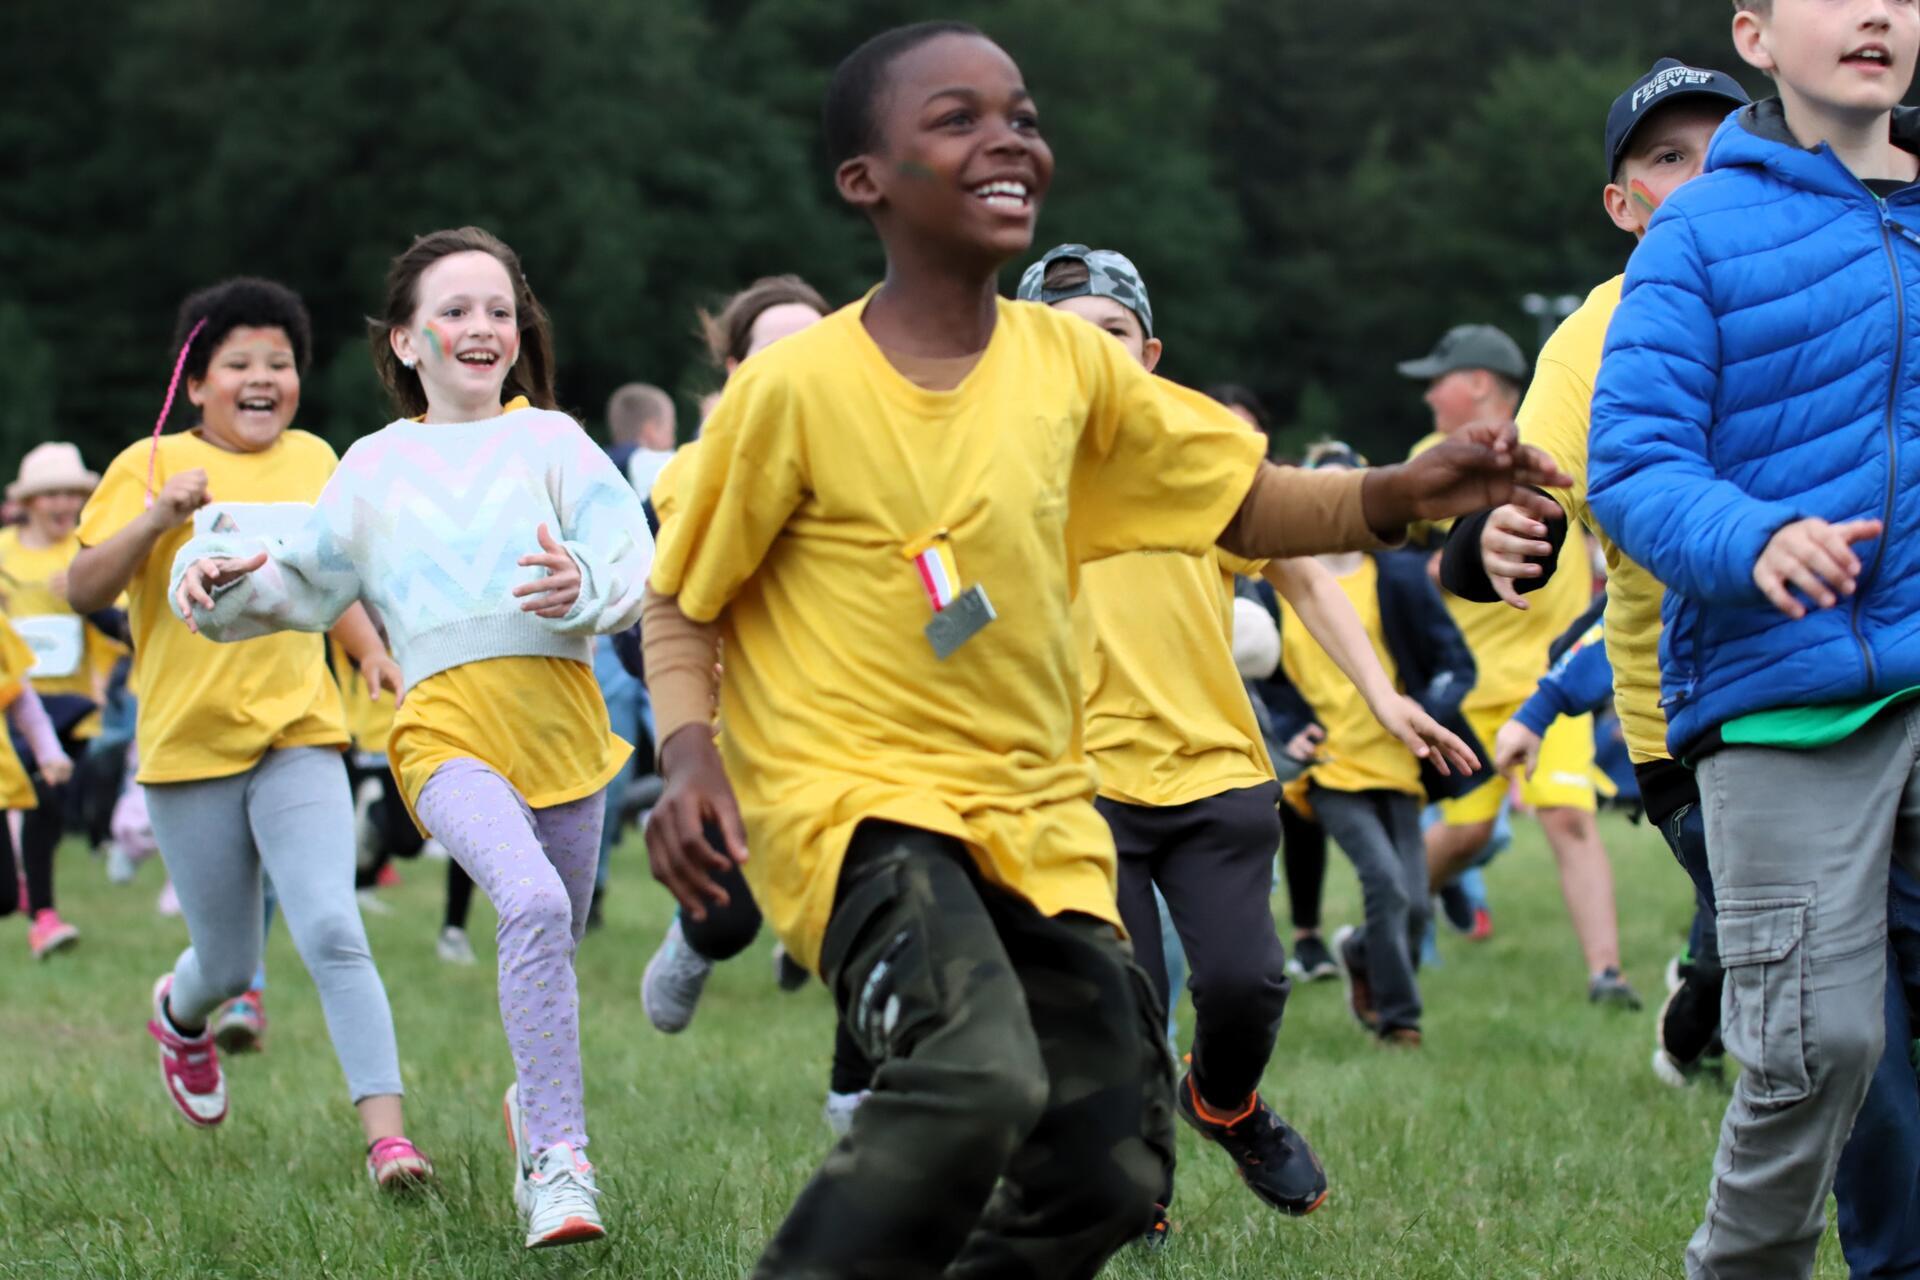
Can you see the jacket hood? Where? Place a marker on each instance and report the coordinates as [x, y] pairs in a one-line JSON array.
[[1758, 137]]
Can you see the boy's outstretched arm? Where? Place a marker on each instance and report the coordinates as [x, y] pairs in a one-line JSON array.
[[1479, 466]]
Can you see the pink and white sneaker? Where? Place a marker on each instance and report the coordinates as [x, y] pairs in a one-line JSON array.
[[396, 1165], [50, 934], [189, 1065]]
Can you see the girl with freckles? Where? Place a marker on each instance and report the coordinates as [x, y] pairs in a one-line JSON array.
[[495, 539]]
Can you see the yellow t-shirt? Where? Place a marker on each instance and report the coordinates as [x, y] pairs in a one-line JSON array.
[[1168, 721], [16, 787], [212, 710], [819, 474], [27, 577], [1510, 645], [1556, 415], [1360, 754], [369, 721], [540, 723]]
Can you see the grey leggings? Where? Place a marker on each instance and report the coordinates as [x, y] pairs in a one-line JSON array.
[[1379, 831], [293, 815]]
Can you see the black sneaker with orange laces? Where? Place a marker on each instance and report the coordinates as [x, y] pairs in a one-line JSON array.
[[1273, 1160]]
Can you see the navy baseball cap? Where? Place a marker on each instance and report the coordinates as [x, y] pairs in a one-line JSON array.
[[1669, 81]]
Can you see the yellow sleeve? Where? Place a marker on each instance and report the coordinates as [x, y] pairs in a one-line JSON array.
[[733, 496], [1236, 564], [665, 500], [118, 501], [1555, 416], [16, 659], [1159, 467]]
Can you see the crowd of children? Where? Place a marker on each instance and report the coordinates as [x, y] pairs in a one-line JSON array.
[[999, 651]]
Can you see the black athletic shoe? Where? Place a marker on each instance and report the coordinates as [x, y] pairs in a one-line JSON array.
[[1609, 988], [1687, 1033], [1457, 908], [1274, 1161], [1158, 1231], [1312, 962]]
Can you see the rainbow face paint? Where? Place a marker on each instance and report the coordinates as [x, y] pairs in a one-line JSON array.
[[1643, 196], [435, 343], [914, 169]]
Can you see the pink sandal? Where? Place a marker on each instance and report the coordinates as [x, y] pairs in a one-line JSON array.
[[395, 1164]]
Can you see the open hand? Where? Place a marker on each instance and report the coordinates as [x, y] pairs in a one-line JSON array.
[[1511, 540], [1406, 720], [1516, 747], [207, 575], [1479, 466], [1816, 557], [178, 499], [552, 596], [697, 797], [56, 771], [381, 672]]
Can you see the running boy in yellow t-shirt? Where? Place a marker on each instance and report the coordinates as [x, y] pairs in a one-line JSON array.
[[884, 520], [1185, 781]]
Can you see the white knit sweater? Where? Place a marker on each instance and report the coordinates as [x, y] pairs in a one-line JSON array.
[[426, 523]]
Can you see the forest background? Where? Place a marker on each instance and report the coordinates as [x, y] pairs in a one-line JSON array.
[[1313, 191]]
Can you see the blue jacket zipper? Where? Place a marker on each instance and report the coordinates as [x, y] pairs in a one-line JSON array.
[[1889, 226]]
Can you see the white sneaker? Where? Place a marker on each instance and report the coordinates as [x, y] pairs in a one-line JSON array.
[[554, 1191], [370, 904], [670, 989], [168, 903], [453, 946], [840, 1108], [121, 868]]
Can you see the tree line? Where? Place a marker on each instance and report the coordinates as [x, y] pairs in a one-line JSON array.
[[1312, 191]]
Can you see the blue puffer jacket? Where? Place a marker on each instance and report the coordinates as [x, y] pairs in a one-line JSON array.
[[1764, 367]]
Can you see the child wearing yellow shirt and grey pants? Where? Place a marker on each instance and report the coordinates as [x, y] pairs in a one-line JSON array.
[[240, 750], [1365, 787], [495, 539]]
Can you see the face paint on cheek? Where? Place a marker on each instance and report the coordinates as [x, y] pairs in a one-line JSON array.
[[1644, 197], [436, 343], [914, 169]]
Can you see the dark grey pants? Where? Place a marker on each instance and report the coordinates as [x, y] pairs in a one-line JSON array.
[[1379, 831], [1213, 861], [1800, 843]]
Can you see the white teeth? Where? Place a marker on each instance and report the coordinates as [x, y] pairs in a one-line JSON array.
[[1014, 192]]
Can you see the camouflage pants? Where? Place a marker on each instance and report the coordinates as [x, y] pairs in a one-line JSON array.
[[1020, 1125]]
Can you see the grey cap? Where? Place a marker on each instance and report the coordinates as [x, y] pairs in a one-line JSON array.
[[1469, 346], [1109, 275]]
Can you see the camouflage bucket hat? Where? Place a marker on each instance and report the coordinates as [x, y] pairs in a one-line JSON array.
[[1109, 275]]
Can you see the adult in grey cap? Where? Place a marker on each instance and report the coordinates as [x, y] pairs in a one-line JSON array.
[[1473, 374]]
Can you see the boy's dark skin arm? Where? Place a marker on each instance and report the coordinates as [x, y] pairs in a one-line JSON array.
[[1476, 468]]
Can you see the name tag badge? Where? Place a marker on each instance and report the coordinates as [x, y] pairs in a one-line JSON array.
[[960, 621], [958, 616]]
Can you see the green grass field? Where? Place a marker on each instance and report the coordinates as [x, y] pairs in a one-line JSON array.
[[1528, 1139]]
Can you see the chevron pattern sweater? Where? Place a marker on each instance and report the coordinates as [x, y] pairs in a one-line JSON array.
[[426, 522]]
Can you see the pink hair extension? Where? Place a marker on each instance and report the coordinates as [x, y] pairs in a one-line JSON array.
[[179, 365]]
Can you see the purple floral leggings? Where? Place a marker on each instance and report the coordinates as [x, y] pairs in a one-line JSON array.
[[536, 866]]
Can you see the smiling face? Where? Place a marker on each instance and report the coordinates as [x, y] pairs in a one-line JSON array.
[[1846, 61], [53, 516], [464, 335], [1668, 151], [251, 391], [960, 163]]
